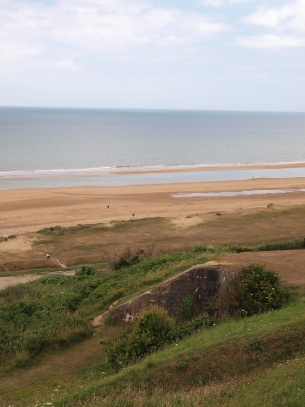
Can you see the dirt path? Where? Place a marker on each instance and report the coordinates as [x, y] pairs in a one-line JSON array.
[[14, 280], [26, 278]]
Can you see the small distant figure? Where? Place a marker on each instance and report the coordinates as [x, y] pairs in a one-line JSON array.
[[108, 206], [48, 256], [133, 215]]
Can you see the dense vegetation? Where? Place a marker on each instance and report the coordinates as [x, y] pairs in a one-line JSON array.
[[41, 315], [253, 290], [55, 311], [226, 354]]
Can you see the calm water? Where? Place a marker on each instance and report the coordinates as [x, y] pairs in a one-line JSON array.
[[33, 139]]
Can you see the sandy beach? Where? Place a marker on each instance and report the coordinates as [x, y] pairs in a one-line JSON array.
[[32, 209]]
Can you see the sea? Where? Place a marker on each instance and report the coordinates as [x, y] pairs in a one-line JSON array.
[[54, 147]]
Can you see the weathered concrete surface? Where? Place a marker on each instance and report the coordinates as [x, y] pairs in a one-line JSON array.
[[200, 281]]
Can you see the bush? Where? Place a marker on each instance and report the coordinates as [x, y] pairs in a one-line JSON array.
[[53, 231], [152, 330], [124, 262], [260, 290], [86, 271], [252, 291]]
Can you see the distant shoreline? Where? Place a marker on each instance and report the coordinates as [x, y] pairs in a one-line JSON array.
[[207, 167], [148, 175]]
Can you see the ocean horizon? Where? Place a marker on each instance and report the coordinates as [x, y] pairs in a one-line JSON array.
[[49, 147]]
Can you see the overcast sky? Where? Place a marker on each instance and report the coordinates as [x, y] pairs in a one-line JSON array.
[[185, 54]]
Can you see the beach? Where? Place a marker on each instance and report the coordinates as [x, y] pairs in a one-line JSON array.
[[24, 210]]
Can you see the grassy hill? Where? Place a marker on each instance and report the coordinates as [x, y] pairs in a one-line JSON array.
[[234, 363], [50, 354]]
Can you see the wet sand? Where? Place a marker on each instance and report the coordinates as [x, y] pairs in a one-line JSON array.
[[210, 168], [32, 209]]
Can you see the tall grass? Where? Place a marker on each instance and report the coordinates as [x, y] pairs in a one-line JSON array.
[[42, 314], [229, 350], [294, 244], [55, 310], [281, 386]]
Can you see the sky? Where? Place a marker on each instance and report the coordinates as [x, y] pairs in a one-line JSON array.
[[153, 54]]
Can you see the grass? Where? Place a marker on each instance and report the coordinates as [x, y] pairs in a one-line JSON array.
[[99, 266], [178, 373], [283, 385], [47, 322], [92, 243], [56, 310], [294, 244], [231, 350], [40, 315]]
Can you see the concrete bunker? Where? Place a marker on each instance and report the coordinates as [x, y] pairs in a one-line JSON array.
[[202, 282]]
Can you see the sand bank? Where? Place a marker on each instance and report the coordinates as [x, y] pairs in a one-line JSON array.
[[33, 209], [201, 168]]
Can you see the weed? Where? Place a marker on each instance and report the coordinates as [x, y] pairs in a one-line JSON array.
[[53, 231], [188, 306]]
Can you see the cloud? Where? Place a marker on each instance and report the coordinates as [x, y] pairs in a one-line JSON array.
[[66, 63], [219, 3], [96, 26], [290, 16], [270, 41], [213, 3], [286, 24]]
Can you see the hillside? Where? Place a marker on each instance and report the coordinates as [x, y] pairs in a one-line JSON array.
[[229, 363]]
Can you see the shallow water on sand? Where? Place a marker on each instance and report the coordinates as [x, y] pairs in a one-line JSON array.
[[110, 179]]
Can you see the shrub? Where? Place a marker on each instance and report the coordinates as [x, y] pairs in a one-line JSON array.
[[86, 271], [252, 291], [152, 330], [124, 262], [53, 231], [260, 290]]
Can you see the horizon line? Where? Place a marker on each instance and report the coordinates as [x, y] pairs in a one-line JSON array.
[[148, 109]]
